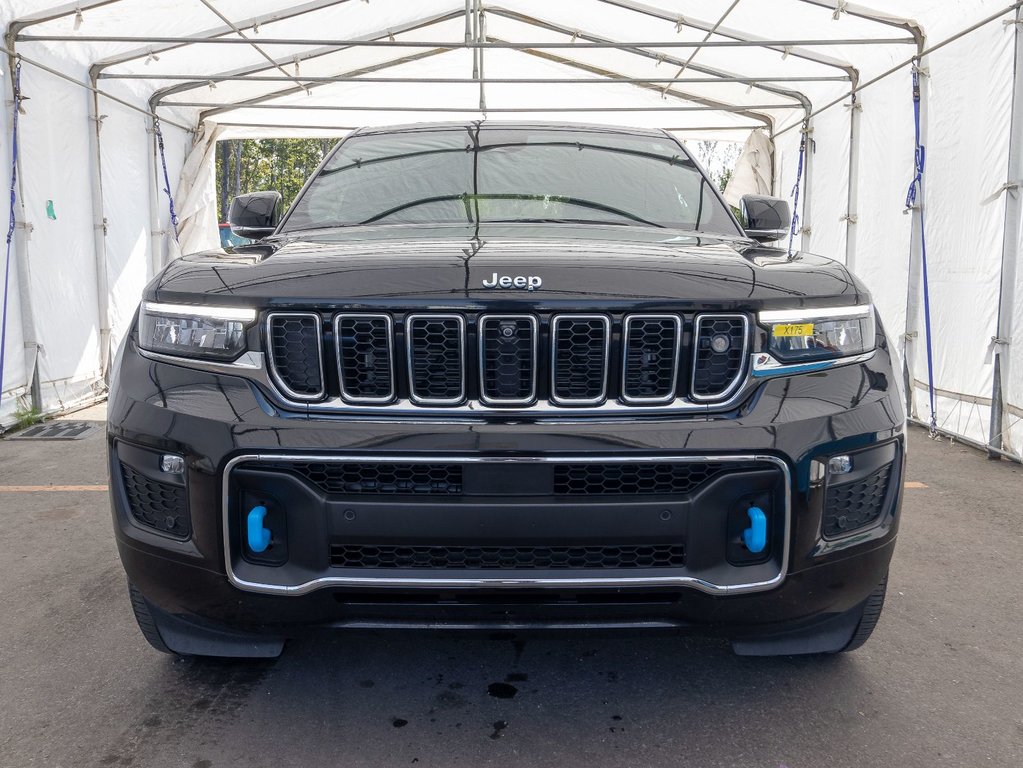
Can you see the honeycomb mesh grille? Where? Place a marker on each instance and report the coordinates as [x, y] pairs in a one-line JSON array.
[[651, 358], [295, 349], [715, 372], [634, 479], [156, 505], [508, 358], [449, 557], [580, 359], [436, 359], [365, 349], [379, 477], [850, 506]]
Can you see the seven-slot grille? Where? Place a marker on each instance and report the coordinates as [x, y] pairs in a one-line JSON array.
[[652, 349], [719, 343], [508, 360], [365, 356], [580, 345], [296, 354], [436, 358]]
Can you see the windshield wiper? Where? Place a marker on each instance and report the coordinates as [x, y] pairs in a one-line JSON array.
[[466, 198], [559, 220]]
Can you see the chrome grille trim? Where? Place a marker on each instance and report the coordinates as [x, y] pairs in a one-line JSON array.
[[676, 358], [340, 359], [534, 361], [556, 320], [744, 355], [272, 367], [410, 322]]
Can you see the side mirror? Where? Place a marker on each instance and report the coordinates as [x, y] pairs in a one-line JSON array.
[[255, 215], [765, 219]]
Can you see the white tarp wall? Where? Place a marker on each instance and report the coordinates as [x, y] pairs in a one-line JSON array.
[[80, 284]]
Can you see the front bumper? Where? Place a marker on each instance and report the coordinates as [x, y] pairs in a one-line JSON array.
[[227, 432]]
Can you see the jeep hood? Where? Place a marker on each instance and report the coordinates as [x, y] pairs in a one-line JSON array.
[[446, 266]]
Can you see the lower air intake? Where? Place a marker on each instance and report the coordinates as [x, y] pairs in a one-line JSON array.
[[507, 558], [156, 505], [851, 506]]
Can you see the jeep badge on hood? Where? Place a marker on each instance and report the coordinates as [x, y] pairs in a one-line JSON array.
[[529, 282]]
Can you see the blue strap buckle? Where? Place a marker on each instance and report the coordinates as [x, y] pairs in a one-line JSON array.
[[259, 537], [755, 537]]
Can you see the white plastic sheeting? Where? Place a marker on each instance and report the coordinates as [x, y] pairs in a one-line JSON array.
[[754, 170], [684, 65]]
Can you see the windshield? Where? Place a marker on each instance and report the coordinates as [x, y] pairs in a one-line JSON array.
[[505, 175]]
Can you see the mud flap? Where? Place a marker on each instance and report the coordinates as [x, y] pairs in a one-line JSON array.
[[829, 636], [188, 639]]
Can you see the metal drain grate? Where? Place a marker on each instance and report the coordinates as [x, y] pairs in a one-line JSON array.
[[59, 430]]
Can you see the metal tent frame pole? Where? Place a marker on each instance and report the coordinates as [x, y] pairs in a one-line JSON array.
[[380, 34], [705, 26], [853, 187], [637, 49], [915, 273], [21, 236], [99, 226], [454, 44], [253, 23], [200, 80], [998, 443]]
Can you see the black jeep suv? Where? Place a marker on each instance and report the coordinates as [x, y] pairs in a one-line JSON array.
[[506, 376]]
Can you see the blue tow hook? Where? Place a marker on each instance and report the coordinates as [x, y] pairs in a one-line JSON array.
[[259, 537], [755, 537]]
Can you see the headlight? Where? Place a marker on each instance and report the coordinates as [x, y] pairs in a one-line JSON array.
[[805, 335], [194, 331]]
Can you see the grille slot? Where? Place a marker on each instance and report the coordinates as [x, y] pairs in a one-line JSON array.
[[508, 359], [295, 347], [636, 479], [851, 506], [378, 477], [365, 349], [448, 557], [436, 358], [716, 373], [580, 347], [650, 360], [157, 505]]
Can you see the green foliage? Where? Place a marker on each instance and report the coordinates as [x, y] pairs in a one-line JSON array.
[[255, 165], [718, 157], [26, 417]]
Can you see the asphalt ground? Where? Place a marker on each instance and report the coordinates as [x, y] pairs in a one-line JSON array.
[[939, 684]]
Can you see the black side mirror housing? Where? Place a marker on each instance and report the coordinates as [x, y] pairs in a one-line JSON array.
[[255, 215], [765, 219]]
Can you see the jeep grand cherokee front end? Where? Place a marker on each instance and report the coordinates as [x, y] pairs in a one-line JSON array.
[[506, 376]]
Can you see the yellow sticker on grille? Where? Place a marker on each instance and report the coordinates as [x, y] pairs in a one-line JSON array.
[[793, 329]]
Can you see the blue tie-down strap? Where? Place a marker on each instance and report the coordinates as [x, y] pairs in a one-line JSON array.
[[259, 537], [755, 537]]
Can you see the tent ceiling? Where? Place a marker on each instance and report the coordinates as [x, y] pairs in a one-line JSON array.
[[727, 65]]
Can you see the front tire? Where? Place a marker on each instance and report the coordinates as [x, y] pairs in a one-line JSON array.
[[146, 622], [871, 615]]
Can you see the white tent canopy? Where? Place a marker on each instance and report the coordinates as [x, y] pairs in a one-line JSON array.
[[92, 218]]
